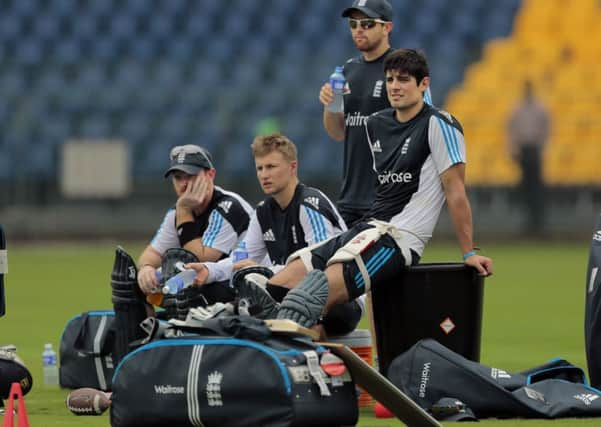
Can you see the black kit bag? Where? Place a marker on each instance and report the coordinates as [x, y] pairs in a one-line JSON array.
[[240, 376], [12, 370], [429, 372], [592, 317], [85, 351]]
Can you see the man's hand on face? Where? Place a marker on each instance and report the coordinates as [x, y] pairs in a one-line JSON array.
[[195, 197]]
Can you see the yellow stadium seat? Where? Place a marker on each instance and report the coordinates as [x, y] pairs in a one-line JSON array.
[[556, 44]]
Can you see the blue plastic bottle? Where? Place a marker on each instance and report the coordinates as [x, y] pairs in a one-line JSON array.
[[49, 365], [240, 252], [181, 280], [337, 81]]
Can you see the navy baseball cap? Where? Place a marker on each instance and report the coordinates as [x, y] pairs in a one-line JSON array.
[[190, 159], [372, 8]]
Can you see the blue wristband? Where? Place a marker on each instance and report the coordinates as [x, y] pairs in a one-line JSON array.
[[468, 254]]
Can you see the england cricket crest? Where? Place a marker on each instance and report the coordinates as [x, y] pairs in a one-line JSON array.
[[214, 389]]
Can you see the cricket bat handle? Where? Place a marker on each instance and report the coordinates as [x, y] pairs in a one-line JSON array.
[[3, 270]]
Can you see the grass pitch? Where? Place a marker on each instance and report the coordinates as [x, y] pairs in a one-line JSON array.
[[533, 311]]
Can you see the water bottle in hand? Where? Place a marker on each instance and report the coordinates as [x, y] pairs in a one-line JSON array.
[[181, 280], [337, 81], [240, 252], [49, 365]]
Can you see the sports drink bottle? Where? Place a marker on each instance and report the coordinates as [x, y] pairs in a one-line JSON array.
[[49, 365], [337, 81]]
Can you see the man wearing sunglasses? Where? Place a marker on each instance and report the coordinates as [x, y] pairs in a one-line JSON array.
[[370, 23]]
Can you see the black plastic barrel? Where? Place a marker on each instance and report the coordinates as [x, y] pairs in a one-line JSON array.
[[442, 301]]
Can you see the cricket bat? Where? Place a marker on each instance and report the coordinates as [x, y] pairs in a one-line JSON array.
[[382, 389], [289, 327], [3, 270], [367, 377]]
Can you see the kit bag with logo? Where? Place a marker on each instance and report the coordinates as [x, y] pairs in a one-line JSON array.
[[428, 372], [85, 351], [240, 376], [592, 318]]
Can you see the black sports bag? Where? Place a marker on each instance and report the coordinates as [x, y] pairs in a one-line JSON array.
[[210, 380], [85, 351], [12, 370], [429, 372], [592, 319]]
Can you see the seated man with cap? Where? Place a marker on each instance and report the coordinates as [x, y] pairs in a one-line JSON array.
[[206, 224], [206, 219]]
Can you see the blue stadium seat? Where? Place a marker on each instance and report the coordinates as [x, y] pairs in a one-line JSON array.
[[29, 51], [10, 28], [167, 74], [237, 159], [56, 129], [316, 159], [137, 8], [46, 28], [130, 73], [205, 71], [42, 160], [136, 128], [154, 158], [122, 27], [258, 49], [173, 7], [236, 26], [6, 165], [219, 50], [12, 84], [141, 48], [84, 28], [96, 127], [24, 9], [64, 8], [160, 27]]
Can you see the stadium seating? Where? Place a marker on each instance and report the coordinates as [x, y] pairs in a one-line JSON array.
[[555, 44], [188, 71]]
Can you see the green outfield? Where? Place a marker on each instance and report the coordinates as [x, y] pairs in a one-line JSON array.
[[534, 310]]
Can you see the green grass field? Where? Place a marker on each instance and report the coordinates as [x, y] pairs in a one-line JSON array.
[[534, 310]]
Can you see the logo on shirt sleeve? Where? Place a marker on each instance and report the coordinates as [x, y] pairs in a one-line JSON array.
[[378, 89], [313, 201], [376, 147], [225, 205]]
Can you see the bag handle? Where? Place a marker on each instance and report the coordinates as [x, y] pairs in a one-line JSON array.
[[102, 341]]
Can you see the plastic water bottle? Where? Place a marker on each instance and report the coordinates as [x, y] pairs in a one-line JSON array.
[[49, 365], [240, 252], [181, 280], [337, 81]]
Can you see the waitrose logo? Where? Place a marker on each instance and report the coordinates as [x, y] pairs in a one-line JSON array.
[[168, 389]]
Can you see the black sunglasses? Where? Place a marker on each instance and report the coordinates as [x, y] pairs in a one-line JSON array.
[[366, 23]]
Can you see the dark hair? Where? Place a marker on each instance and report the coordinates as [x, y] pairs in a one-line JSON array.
[[408, 61]]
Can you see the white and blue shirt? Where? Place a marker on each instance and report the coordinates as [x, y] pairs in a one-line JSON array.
[[221, 226], [408, 159]]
